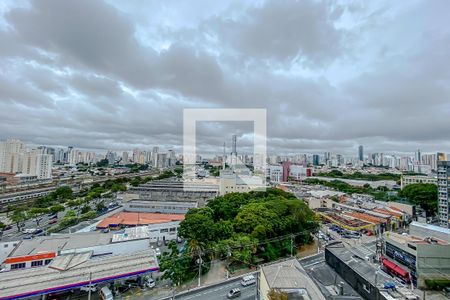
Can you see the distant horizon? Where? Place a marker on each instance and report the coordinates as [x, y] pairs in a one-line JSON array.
[[212, 154]]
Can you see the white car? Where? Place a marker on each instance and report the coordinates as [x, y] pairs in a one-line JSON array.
[[89, 287], [150, 283], [158, 252], [248, 280]]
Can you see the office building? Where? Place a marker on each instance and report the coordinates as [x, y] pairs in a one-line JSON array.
[[316, 160], [361, 153], [443, 179]]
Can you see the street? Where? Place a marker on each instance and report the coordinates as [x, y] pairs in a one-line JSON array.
[[217, 292]]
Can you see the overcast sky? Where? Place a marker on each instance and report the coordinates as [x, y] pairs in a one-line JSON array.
[[332, 75]]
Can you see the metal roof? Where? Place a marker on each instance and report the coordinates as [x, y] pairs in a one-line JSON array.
[[44, 280]]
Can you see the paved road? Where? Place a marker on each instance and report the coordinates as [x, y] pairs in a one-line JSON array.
[[214, 292], [219, 292]]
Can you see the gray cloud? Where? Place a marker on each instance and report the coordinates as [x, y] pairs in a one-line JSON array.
[[98, 75]]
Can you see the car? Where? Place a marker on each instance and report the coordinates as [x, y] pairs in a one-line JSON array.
[[89, 287], [54, 217], [28, 237], [53, 221], [158, 252], [7, 227], [38, 231], [106, 230], [234, 293], [150, 283], [248, 280]]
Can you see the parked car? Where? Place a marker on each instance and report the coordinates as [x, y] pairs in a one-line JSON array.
[[7, 227], [150, 283], [53, 221], [234, 293], [158, 252], [105, 293], [89, 287], [28, 237], [54, 217]]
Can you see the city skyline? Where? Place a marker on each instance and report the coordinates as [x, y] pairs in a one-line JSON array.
[[374, 74]]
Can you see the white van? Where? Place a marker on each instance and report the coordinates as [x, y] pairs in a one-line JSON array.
[[248, 280], [105, 293]]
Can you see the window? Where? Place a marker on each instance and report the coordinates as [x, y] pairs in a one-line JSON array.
[[6, 246], [164, 230], [17, 266], [173, 229], [47, 261], [36, 263]]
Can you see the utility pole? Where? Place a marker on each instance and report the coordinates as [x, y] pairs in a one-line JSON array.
[[90, 285], [199, 267], [292, 245]]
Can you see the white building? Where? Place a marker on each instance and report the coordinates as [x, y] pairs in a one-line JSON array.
[[275, 173], [10, 152], [232, 183]]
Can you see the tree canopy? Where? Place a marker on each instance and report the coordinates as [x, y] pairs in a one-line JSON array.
[[422, 194], [244, 228]]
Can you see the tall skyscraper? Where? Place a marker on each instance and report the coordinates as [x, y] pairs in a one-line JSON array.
[[124, 158], [155, 156], [233, 150], [418, 156], [316, 160], [361, 153], [443, 177]]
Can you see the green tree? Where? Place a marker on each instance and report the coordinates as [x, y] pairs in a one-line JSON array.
[[56, 208], [36, 213], [422, 194], [239, 248], [100, 206], [175, 266], [63, 193], [88, 215], [85, 209], [18, 217], [197, 225]]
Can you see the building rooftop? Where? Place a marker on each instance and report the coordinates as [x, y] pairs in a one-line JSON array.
[[357, 263], [138, 218], [289, 275], [44, 280], [431, 227], [60, 242], [410, 239], [132, 233]]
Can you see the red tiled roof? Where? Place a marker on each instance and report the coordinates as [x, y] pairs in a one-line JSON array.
[[138, 218]]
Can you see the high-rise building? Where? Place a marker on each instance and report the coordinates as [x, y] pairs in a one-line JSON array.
[[233, 150], [155, 156], [418, 157], [443, 178], [316, 159], [125, 158], [10, 152], [361, 153]]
